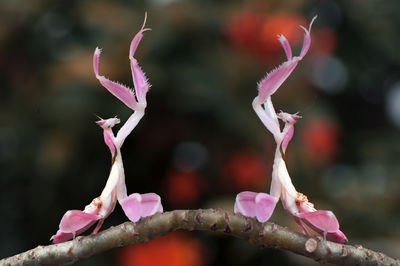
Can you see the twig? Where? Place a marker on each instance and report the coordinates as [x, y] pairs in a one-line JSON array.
[[267, 234]]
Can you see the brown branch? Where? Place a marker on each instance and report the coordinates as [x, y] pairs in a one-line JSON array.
[[267, 234]]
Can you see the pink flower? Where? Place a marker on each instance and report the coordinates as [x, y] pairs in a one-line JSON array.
[[262, 205], [135, 205]]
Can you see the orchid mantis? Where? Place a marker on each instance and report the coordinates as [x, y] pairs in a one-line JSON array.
[[262, 205], [135, 205]]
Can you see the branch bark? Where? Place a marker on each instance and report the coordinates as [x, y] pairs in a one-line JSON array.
[[266, 234]]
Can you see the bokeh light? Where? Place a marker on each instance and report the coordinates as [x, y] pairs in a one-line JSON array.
[[329, 74], [175, 249], [392, 104], [245, 170]]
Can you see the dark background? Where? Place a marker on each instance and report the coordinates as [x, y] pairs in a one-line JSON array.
[[200, 142]]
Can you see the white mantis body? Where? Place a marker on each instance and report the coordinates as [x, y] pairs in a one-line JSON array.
[[262, 205], [135, 205]]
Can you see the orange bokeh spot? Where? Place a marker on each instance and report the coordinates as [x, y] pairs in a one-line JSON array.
[[257, 33], [320, 137], [183, 187], [324, 40], [245, 170], [174, 249], [242, 29], [285, 24]]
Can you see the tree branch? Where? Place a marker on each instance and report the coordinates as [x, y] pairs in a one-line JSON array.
[[266, 234]]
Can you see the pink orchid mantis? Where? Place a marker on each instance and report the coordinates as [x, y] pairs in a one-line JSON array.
[[135, 205], [262, 205]]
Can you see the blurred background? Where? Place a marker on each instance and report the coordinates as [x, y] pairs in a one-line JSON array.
[[200, 142]]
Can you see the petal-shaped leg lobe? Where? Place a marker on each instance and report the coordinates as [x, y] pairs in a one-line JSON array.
[[73, 221], [79, 220], [60, 237], [338, 237], [131, 206], [151, 204], [252, 204], [324, 221], [265, 205], [136, 205], [245, 203]]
